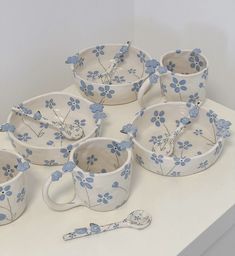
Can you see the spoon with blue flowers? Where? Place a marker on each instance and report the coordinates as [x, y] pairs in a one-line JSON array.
[[138, 219]]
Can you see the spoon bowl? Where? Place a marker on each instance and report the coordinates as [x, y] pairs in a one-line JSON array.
[[139, 219]]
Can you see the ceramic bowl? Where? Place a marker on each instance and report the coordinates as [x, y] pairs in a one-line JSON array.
[[42, 144], [124, 83], [196, 149], [13, 189]]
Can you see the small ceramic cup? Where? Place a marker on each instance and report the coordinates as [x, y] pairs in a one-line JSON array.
[[101, 171], [185, 77], [13, 188]]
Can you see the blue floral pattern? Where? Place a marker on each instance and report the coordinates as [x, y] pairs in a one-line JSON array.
[[104, 198], [119, 79], [21, 196], [85, 182], [74, 103], [195, 61], [86, 89], [158, 118], [181, 160], [8, 171], [66, 151], [106, 91], [24, 137], [126, 171], [5, 192], [178, 85], [99, 50]]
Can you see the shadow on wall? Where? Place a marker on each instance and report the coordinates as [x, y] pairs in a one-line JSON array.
[[158, 38]]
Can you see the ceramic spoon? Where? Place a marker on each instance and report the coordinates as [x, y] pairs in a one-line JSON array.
[[116, 61], [167, 145], [138, 219], [69, 131]]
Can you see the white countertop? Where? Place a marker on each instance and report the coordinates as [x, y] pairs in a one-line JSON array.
[[182, 208]]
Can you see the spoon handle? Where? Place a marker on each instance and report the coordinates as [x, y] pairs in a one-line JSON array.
[[93, 229], [42, 119]]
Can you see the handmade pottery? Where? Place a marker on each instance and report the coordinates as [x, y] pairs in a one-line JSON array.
[[138, 219], [43, 144], [101, 170], [13, 189], [196, 149], [90, 66], [185, 77]]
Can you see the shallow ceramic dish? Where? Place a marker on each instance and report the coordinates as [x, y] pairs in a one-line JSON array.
[[44, 145], [123, 85], [197, 148]]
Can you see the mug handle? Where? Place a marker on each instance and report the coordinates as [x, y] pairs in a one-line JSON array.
[[143, 89], [50, 202]]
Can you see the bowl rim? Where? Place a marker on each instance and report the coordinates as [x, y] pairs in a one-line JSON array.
[[128, 159], [112, 85], [184, 75], [168, 158], [14, 138], [19, 174]]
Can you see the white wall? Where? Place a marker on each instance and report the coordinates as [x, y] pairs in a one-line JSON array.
[[37, 36], [161, 26]]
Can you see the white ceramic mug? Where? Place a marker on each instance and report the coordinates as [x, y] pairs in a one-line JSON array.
[[13, 188], [101, 171], [185, 77]]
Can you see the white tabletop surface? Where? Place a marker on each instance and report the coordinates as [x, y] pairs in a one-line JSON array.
[[182, 208]]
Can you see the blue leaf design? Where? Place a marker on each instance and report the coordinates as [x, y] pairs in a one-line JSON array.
[[2, 216]]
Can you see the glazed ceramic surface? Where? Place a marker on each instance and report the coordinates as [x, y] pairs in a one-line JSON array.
[[13, 189], [196, 149], [42, 144], [101, 170], [138, 219], [121, 86], [185, 77]]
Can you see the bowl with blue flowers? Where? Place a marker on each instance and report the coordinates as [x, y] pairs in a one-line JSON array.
[[195, 149], [13, 187], [110, 74], [46, 128]]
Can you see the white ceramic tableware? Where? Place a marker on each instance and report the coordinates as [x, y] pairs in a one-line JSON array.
[[13, 187], [101, 170], [185, 77], [91, 65], [196, 149], [138, 219], [43, 144]]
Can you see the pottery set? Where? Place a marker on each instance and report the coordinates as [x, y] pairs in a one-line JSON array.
[[176, 138]]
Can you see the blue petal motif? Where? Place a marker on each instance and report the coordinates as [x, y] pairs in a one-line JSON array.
[[2, 216], [129, 128], [69, 166], [22, 166], [7, 128], [81, 231], [125, 144], [56, 175], [95, 228], [115, 184], [96, 107]]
